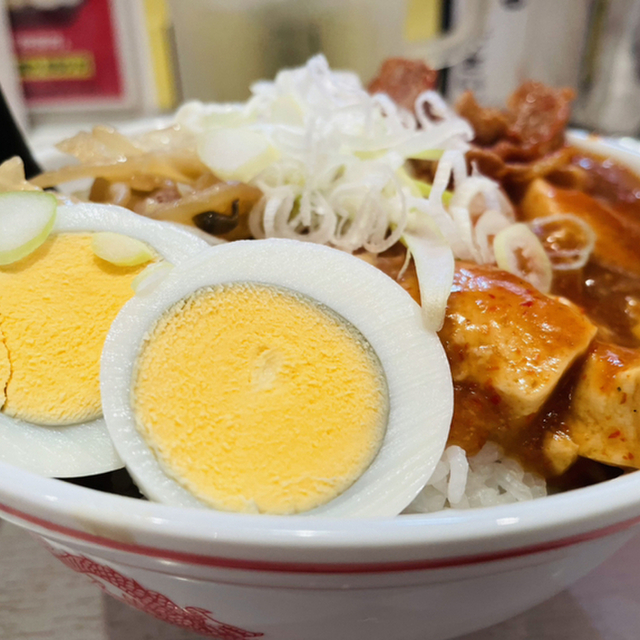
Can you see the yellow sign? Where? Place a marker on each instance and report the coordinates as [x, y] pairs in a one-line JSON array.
[[76, 66]]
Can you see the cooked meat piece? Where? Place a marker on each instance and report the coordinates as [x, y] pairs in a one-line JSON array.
[[487, 162], [514, 174], [532, 126], [404, 80], [538, 116], [604, 419], [489, 124], [618, 234], [524, 141], [508, 345]]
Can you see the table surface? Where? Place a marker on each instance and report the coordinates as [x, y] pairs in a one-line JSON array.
[[42, 599]]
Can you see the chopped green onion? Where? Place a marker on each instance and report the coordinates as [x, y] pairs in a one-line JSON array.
[[428, 154], [26, 220], [425, 191]]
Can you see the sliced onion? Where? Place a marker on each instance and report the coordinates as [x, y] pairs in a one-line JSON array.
[[218, 198], [338, 151], [197, 117], [256, 226], [181, 166], [103, 144], [434, 264], [439, 216], [442, 177], [489, 224], [121, 250], [26, 219], [424, 189], [567, 239], [519, 252], [437, 107], [236, 154], [462, 220], [477, 194], [271, 208], [12, 176]]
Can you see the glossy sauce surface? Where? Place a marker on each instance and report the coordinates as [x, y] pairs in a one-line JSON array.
[[607, 289]]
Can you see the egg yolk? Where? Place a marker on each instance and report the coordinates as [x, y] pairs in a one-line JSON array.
[[258, 399], [56, 307]]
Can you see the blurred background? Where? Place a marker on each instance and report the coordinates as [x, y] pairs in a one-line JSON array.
[[69, 62]]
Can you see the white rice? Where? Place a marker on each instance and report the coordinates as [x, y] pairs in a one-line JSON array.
[[484, 480]]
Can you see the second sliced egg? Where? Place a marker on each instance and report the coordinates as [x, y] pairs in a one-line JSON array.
[[56, 306]]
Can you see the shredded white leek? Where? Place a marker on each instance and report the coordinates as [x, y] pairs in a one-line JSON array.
[[338, 171], [337, 150]]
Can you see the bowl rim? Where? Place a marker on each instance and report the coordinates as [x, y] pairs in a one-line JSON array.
[[293, 543], [67, 510]]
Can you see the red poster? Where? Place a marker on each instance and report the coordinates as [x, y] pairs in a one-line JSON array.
[[66, 52]]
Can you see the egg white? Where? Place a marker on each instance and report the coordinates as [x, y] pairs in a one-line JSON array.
[[412, 357], [85, 448]]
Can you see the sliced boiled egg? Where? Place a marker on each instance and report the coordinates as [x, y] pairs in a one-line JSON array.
[[275, 376], [56, 306]]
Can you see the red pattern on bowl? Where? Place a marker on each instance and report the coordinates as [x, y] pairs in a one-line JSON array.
[[130, 592]]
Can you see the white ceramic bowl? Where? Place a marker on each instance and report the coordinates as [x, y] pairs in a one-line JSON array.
[[233, 577], [292, 578]]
